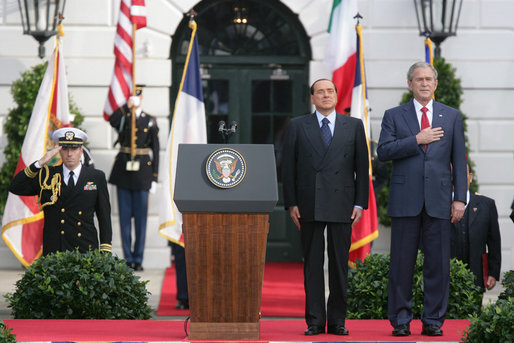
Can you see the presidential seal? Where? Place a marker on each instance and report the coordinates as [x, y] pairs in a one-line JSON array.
[[225, 168]]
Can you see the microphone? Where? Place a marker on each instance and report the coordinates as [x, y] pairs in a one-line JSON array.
[[233, 127], [221, 126]]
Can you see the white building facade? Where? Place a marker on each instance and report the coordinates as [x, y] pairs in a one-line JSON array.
[[482, 53]]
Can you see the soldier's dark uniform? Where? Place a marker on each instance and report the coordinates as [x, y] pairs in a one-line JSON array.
[[133, 186], [69, 211]]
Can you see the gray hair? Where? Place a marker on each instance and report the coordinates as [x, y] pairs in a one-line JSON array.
[[420, 65]]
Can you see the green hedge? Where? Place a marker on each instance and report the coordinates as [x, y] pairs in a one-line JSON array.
[[496, 322], [368, 285], [73, 285]]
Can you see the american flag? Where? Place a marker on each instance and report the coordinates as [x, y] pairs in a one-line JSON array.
[[132, 12]]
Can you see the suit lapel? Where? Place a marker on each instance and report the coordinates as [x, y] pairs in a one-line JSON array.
[[80, 183], [341, 126], [411, 118], [438, 117], [473, 208], [313, 133]]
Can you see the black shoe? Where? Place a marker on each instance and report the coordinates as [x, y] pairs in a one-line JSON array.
[[337, 330], [130, 265], [138, 267], [401, 330], [431, 330], [314, 330], [182, 304]]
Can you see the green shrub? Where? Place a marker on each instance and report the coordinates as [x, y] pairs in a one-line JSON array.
[[73, 285], [494, 324], [508, 284], [368, 285], [5, 334]]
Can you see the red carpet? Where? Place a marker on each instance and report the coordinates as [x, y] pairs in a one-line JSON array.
[[282, 292], [173, 330]]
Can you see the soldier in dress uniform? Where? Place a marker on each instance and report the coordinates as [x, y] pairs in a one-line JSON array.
[[69, 194], [136, 175]]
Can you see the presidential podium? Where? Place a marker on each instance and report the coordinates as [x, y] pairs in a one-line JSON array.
[[225, 194]]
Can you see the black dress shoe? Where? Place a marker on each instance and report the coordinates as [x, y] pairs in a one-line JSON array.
[[431, 330], [130, 264], [337, 330], [314, 330], [182, 304], [401, 330], [138, 267]]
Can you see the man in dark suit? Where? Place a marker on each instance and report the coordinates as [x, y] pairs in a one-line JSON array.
[[325, 179], [69, 194], [136, 176], [422, 138], [475, 234]]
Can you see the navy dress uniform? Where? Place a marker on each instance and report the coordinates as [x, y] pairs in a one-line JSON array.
[[69, 208], [133, 184]]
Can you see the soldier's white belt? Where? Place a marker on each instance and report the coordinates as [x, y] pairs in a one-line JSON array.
[[138, 151]]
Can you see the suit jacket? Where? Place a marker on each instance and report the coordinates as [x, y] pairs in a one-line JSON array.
[[483, 231], [69, 219], [423, 178], [325, 184], [147, 137]]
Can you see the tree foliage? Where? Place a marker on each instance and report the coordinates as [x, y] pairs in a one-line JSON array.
[[24, 92]]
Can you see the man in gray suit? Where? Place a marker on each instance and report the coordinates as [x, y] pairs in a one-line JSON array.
[[325, 179], [422, 138]]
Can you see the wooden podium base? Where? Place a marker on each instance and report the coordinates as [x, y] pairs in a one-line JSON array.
[[225, 255], [215, 331]]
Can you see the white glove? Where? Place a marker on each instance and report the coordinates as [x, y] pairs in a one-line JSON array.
[[153, 187], [136, 101]]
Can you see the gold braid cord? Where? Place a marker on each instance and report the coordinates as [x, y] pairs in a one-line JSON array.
[[106, 247], [54, 186], [30, 174]]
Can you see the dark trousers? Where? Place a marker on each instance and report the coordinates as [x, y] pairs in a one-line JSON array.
[[313, 245], [179, 253], [133, 204], [406, 233]]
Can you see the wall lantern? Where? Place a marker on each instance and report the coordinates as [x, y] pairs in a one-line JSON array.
[[438, 19], [40, 19]]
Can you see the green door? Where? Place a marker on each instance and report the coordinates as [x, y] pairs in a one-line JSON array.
[[261, 101], [255, 61]]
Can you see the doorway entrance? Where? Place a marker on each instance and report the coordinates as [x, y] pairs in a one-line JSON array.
[[255, 74]]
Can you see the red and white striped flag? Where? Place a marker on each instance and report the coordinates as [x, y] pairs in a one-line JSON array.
[[22, 222], [345, 60], [131, 13]]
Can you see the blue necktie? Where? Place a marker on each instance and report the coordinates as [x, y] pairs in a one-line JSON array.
[[325, 132]]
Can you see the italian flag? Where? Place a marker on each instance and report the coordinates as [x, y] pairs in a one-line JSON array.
[[341, 55]]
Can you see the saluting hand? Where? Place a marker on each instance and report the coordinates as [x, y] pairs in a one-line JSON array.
[[294, 212], [429, 135], [356, 215], [48, 156]]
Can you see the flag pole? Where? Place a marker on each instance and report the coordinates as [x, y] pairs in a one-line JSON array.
[[133, 136]]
